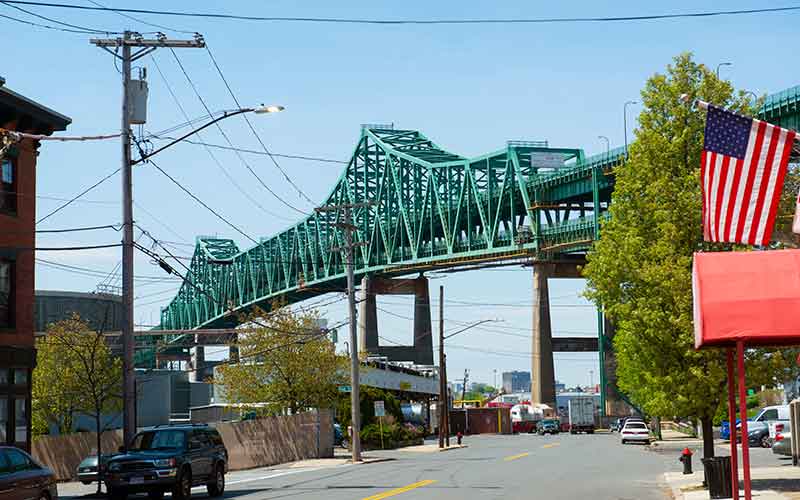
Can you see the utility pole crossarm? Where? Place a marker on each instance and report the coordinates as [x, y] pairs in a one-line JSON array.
[[197, 43]]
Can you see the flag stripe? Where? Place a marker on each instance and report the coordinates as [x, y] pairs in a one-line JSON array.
[[744, 175], [748, 187], [719, 206], [716, 167], [773, 164], [764, 170], [788, 143], [730, 196]]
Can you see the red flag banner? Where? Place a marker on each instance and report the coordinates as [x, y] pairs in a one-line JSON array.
[[742, 171]]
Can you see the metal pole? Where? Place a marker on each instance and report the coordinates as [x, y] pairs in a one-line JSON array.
[[743, 418], [355, 407], [128, 374], [732, 423], [601, 344], [625, 124], [608, 143], [442, 382]]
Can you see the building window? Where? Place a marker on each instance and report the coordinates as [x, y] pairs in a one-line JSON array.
[[20, 376], [3, 419], [6, 294], [8, 186], [20, 420]]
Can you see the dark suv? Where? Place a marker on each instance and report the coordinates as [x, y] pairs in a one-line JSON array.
[[169, 458]]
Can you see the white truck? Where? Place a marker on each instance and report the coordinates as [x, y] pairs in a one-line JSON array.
[[581, 415]]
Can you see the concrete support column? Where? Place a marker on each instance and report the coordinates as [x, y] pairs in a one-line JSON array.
[[421, 352], [542, 370], [367, 317], [198, 362]]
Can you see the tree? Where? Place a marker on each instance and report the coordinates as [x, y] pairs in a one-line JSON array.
[[77, 372], [640, 269], [287, 364]]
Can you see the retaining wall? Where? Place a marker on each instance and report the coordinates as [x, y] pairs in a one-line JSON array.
[[254, 443]]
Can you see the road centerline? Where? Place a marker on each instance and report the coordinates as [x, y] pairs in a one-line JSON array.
[[550, 445], [515, 457], [397, 491]]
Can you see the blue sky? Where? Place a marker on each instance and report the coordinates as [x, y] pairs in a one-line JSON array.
[[469, 88]]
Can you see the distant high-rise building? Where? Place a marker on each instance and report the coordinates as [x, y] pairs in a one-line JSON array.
[[516, 381]]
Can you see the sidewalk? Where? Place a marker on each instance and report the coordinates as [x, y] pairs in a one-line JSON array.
[[769, 483], [773, 482]]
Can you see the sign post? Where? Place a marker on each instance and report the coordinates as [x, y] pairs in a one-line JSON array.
[[380, 411]]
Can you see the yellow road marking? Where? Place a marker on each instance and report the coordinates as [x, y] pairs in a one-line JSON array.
[[551, 445], [514, 457], [397, 491]]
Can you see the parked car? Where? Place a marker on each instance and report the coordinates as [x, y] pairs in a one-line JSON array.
[[615, 425], [22, 477], [634, 431], [778, 413], [170, 458], [87, 471], [783, 444], [548, 426], [759, 437]]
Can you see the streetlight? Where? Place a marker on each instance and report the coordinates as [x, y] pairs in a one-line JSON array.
[[755, 97], [625, 123], [722, 64], [260, 110], [608, 143]]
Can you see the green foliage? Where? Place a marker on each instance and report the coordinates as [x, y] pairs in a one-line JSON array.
[[393, 433], [640, 269], [753, 402], [285, 364], [368, 396], [76, 373]]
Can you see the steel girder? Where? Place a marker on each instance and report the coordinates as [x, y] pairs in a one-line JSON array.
[[429, 209]]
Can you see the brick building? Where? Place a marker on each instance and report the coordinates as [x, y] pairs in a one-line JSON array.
[[17, 240]]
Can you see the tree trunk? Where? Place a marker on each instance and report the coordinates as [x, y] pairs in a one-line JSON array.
[[99, 452], [708, 437]]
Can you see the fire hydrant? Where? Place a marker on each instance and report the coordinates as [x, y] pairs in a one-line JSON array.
[[686, 459], [459, 435]]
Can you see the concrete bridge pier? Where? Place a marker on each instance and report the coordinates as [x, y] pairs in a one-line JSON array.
[[421, 352], [543, 379]]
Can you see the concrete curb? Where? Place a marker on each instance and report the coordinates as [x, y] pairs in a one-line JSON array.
[[454, 447]]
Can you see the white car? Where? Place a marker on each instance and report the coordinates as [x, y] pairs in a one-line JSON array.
[[635, 431]]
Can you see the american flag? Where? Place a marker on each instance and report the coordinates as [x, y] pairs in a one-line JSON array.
[[741, 174]]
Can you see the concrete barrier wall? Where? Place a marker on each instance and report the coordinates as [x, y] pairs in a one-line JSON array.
[[275, 440], [62, 454], [254, 443]]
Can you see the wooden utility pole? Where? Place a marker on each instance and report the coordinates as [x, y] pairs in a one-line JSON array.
[[355, 398], [443, 406], [125, 43]]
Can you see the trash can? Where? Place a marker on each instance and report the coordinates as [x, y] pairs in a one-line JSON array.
[[718, 476]]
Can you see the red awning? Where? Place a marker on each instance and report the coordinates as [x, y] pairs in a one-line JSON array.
[[749, 296]]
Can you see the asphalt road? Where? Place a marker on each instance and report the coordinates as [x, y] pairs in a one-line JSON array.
[[491, 467]]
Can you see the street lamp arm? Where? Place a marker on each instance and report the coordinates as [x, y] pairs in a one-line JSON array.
[[470, 326], [226, 114]]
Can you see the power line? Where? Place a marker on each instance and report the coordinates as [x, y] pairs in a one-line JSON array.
[[73, 199], [228, 140], [253, 130], [45, 26], [74, 26], [253, 151], [56, 249], [550, 20], [201, 202], [95, 272], [115, 227], [210, 153], [143, 21]]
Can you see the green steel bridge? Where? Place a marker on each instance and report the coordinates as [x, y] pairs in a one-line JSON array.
[[424, 209]]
